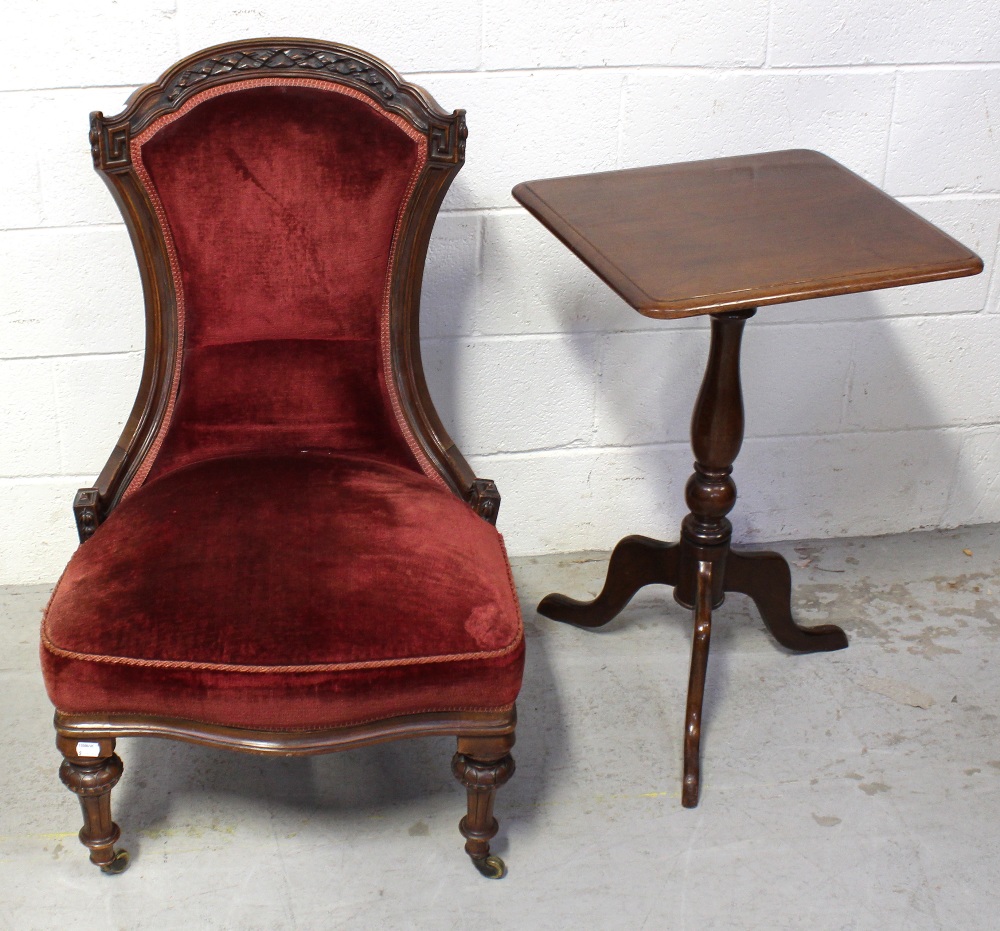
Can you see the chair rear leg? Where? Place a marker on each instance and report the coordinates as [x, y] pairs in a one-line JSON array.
[[482, 765], [91, 769]]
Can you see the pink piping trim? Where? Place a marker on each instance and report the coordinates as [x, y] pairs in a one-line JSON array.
[[142, 138], [314, 667], [384, 328], [175, 274]]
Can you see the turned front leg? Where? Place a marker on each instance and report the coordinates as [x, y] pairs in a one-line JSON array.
[[91, 769], [482, 765]]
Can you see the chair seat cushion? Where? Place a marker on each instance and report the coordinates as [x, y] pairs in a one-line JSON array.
[[286, 592]]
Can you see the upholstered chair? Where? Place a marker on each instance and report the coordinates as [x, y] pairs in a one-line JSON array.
[[285, 554]]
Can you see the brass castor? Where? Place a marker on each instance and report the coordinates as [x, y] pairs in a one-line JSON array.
[[492, 867], [118, 864]]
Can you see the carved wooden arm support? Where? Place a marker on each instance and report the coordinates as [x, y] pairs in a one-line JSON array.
[[484, 499], [87, 511]]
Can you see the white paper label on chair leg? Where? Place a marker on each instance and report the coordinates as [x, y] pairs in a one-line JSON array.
[[87, 748]]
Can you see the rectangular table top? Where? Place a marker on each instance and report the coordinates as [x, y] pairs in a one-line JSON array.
[[727, 233]]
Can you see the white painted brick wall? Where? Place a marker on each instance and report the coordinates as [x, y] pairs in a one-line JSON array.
[[530, 124], [866, 414], [669, 116], [569, 34], [862, 32], [946, 132], [69, 290]]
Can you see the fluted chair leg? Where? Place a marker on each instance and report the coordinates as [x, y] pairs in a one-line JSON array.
[[92, 778], [482, 765]]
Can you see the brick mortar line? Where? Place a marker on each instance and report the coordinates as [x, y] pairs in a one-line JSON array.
[[887, 155], [84, 480], [691, 324], [504, 210], [556, 452], [963, 430], [686, 326], [993, 288], [92, 227], [75, 355], [829, 68], [768, 33], [420, 76]]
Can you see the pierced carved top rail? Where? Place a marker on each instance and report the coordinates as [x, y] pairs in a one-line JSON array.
[[222, 64]]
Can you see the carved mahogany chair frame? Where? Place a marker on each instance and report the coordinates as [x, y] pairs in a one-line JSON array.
[[90, 767]]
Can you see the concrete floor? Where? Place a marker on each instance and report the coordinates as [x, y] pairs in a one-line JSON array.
[[858, 789]]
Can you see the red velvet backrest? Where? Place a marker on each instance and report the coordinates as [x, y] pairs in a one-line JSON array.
[[280, 200], [280, 195]]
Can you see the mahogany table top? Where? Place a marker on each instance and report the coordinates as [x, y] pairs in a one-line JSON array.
[[728, 233]]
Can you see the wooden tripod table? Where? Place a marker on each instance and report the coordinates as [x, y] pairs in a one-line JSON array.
[[724, 237]]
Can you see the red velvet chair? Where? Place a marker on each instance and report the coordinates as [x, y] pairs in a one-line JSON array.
[[285, 553]]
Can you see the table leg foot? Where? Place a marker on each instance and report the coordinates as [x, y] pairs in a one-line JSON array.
[[636, 561], [696, 685], [766, 578]]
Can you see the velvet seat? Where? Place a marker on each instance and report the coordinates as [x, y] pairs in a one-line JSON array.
[[286, 553], [386, 596]]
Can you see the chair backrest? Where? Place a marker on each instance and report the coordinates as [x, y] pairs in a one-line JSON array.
[[280, 194]]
